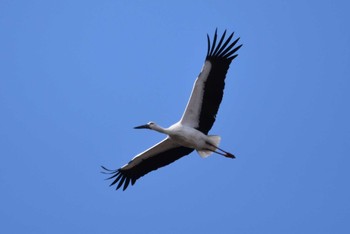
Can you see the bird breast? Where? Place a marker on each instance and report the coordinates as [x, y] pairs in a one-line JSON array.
[[187, 136]]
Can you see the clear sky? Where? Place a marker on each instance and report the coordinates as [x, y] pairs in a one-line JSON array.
[[77, 76]]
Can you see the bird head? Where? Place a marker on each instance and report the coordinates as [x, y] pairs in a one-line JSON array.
[[149, 125]]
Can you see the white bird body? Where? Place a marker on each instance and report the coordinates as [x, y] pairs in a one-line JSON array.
[[190, 133], [189, 137]]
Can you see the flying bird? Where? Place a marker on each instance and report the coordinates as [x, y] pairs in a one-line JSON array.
[[191, 131]]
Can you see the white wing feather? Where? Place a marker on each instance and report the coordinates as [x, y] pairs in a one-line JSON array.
[[191, 114]]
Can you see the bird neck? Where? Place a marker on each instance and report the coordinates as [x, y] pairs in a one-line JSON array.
[[159, 129]]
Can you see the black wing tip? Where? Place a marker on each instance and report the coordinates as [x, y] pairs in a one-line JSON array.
[[119, 176], [222, 51], [106, 170]]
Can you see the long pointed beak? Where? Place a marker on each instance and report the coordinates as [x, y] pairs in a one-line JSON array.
[[142, 126]]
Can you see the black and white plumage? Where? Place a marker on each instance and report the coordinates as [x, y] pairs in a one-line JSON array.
[[190, 133]]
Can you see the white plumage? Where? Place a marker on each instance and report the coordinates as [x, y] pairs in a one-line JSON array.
[[190, 133]]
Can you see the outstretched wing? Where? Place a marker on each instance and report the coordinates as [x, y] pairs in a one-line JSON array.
[[160, 155], [208, 89]]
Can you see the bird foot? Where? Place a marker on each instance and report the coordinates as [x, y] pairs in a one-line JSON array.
[[229, 155]]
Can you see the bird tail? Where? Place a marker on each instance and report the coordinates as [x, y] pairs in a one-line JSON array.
[[215, 141]]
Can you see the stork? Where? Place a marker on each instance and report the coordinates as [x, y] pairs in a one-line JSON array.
[[190, 132]]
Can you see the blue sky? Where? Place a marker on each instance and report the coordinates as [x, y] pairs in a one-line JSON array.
[[77, 76]]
